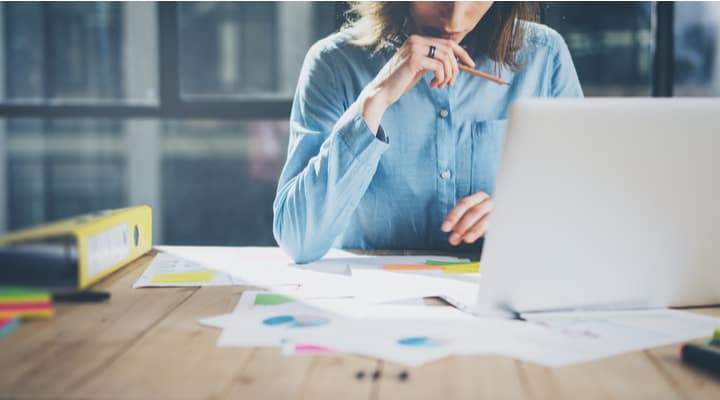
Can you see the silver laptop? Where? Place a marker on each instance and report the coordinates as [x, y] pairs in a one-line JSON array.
[[605, 203]]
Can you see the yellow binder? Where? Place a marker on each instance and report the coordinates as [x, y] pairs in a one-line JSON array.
[[76, 252]]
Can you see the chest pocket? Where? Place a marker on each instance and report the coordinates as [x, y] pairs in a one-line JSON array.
[[488, 138]]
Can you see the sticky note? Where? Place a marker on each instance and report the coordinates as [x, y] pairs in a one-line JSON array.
[[271, 299], [184, 277], [25, 306], [8, 325], [26, 310], [6, 321], [412, 267], [444, 263], [715, 339], [20, 295], [450, 268], [462, 268]]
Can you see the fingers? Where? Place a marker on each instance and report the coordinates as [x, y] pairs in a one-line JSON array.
[[461, 208], [472, 224], [445, 56], [437, 67], [475, 232], [420, 46], [462, 54], [451, 63], [446, 52]]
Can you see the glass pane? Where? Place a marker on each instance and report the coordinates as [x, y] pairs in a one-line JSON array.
[[61, 53], [611, 44], [697, 49], [59, 168], [208, 182], [219, 180], [247, 49]]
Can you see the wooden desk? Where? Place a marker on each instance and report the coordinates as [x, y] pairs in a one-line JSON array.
[[146, 343]]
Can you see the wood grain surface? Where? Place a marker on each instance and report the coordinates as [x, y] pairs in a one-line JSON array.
[[146, 344]]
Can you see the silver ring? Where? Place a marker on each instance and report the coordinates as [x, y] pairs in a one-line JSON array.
[[431, 52]]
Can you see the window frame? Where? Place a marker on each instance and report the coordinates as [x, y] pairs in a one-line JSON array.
[[170, 104]]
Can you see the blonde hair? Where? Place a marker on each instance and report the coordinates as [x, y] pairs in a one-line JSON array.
[[376, 24]]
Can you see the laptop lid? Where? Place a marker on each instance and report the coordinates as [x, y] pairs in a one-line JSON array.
[[605, 203]]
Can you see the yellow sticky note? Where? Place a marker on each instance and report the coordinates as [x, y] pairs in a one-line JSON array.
[[462, 268], [184, 277]]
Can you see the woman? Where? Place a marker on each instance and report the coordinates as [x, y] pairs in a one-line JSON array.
[[391, 146]]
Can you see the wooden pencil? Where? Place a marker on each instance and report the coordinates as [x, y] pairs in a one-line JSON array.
[[487, 76]]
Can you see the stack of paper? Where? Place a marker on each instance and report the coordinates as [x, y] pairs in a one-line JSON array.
[[417, 334], [339, 274], [368, 305], [167, 270], [406, 334]]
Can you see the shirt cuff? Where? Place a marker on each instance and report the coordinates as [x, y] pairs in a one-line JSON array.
[[382, 136]]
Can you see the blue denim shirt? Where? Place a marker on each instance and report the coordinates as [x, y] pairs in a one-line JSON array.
[[343, 187]]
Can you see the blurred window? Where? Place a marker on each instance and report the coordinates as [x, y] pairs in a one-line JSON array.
[[247, 49], [59, 168], [209, 181], [65, 53], [206, 150], [611, 44], [697, 49]]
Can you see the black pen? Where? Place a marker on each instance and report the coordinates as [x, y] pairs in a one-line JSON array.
[[81, 297], [702, 356]]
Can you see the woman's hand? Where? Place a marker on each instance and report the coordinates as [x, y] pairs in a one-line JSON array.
[[405, 69], [468, 220]]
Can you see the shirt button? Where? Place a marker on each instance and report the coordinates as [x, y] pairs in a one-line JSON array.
[[444, 113], [445, 174]]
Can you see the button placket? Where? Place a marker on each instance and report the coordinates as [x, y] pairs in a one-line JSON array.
[[445, 146]]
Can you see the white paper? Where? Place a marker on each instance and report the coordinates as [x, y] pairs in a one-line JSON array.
[[259, 266], [383, 331], [330, 277], [268, 267], [345, 308], [377, 285], [586, 336], [375, 330], [378, 262], [417, 341], [339, 264], [164, 263]]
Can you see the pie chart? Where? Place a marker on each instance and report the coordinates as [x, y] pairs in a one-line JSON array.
[[422, 341], [296, 321]]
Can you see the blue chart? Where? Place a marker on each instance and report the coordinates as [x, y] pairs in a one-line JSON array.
[[422, 341], [296, 321]]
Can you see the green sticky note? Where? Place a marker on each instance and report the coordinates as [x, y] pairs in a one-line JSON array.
[[437, 262], [20, 294], [270, 299], [184, 277], [715, 340]]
